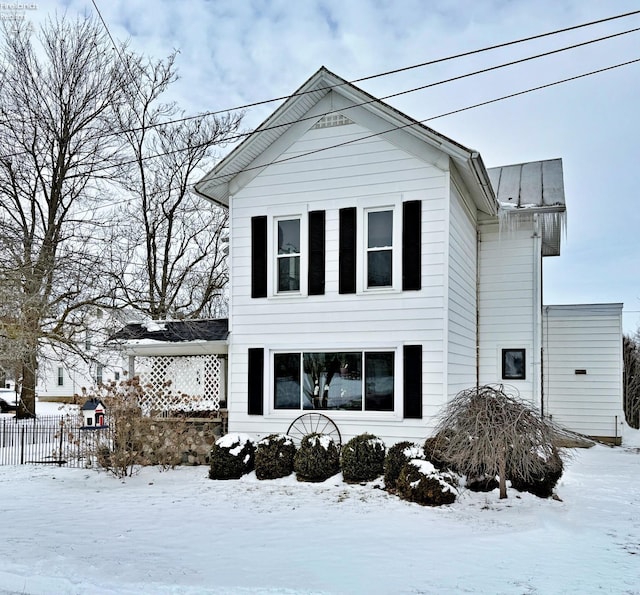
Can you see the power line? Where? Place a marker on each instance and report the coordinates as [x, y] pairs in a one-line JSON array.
[[413, 122], [402, 69], [377, 75], [450, 113], [412, 90]]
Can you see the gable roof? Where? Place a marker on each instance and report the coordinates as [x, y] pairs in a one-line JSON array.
[[537, 187], [215, 185]]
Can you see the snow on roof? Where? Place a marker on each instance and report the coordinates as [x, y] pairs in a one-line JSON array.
[[175, 331]]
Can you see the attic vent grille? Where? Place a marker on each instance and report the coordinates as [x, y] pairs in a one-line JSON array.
[[331, 120]]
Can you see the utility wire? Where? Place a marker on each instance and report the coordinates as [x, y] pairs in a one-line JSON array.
[[369, 77], [412, 123], [402, 69], [412, 90]]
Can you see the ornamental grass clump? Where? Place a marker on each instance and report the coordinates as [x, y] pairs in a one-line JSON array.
[[362, 458], [232, 456], [317, 459], [421, 482], [274, 457], [397, 457]]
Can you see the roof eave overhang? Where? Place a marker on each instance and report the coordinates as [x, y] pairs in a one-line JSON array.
[[156, 348]]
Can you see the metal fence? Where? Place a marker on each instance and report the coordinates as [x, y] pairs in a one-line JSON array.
[[54, 439]]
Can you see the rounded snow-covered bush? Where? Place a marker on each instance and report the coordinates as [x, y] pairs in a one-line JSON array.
[[433, 450], [545, 477], [362, 458], [274, 457], [231, 457], [421, 482], [317, 459], [397, 457]]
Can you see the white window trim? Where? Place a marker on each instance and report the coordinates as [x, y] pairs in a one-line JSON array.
[[366, 206], [272, 252]]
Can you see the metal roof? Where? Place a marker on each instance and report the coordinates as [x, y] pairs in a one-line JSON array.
[[537, 183], [536, 187]]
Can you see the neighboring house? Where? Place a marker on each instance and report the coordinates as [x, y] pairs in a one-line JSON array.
[[378, 268], [63, 374]]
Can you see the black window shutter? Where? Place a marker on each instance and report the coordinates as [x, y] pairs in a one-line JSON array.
[[316, 252], [258, 257], [347, 247], [255, 385], [412, 363], [411, 245]]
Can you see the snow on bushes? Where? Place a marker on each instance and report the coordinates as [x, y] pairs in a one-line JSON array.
[[419, 481], [231, 457], [274, 457], [540, 482], [317, 459], [397, 457], [362, 458]]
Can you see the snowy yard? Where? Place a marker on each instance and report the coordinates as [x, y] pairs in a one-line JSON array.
[[76, 531]]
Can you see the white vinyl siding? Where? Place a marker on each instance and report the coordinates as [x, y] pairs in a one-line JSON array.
[[509, 264], [587, 338], [356, 175], [461, 331]]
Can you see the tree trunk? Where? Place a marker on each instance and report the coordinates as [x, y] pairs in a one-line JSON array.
[[27, 404], [502, 466]]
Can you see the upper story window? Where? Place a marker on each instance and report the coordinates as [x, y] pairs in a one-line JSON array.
[[288, 255], [60, 376], [99, 373], [379, 259]]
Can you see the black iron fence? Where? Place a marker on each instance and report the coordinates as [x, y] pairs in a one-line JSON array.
[[52, 439]]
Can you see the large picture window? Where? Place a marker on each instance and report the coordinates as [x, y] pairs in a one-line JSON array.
[[350, 381], [379, 248], [288, 255]]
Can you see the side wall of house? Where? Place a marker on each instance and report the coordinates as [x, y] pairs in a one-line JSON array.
[[462, 303], [583, 368], [368, 172], [509, 305]]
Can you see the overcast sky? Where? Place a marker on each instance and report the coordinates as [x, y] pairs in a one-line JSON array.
[[235, 52]]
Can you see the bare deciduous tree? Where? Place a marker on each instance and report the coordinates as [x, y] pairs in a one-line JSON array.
[[176, 240], [485, 431], [58, 96], [631, 385]]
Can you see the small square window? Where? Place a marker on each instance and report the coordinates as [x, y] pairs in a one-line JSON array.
[[513, 364]]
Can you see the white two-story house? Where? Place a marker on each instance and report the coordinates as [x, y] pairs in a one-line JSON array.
[[378, 268]]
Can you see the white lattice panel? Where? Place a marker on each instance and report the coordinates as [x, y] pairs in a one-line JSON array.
[[188, 383]]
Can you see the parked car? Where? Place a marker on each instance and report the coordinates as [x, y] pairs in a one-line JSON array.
[[7, 400]]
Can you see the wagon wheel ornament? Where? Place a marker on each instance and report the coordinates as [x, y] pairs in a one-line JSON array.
[[314, 423]]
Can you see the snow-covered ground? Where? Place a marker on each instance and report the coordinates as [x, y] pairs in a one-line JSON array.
[[76, 531]]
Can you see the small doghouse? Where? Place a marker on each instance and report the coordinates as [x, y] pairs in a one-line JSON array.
[[93, 413]]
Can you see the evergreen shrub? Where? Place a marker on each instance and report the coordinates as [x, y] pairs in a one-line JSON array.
[[421, 482], [274, 457], [231, 457], [317, 459], [543, 480], [397, 457], [362, 458]]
